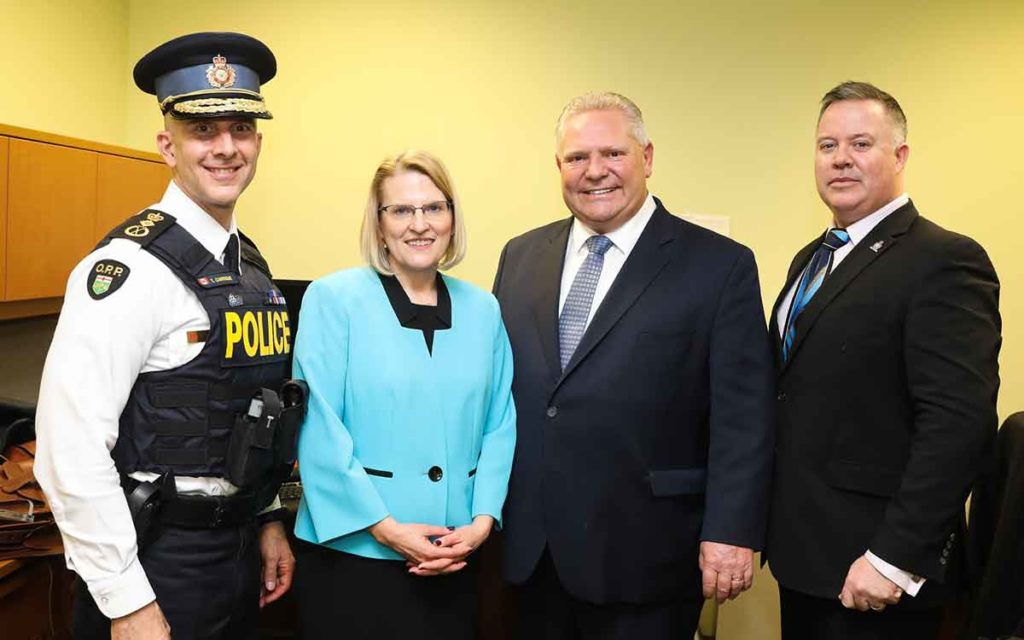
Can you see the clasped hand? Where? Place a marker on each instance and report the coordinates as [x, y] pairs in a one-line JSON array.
[[432, 550]]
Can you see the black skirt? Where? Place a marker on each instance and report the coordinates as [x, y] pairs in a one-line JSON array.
[[341, 595]]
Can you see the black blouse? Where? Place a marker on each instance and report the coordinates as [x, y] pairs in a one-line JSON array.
[[426, 318]]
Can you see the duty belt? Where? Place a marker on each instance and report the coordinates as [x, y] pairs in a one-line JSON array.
[[203, 512]]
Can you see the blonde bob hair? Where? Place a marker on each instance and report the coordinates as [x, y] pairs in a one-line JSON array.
[[370, 245]]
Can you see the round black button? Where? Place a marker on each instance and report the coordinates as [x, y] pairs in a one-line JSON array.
[[435, 474], [552, 412]]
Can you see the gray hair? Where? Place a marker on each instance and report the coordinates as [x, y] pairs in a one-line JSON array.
[[865, 91], [604, 101]]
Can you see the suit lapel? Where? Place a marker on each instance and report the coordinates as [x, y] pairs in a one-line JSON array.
[[645, 261], [795, 269], [882, 238], [548, 282]]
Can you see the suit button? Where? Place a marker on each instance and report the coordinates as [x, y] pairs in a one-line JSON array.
[[552, 412], [942, 561], [435, 474], [781, 397]]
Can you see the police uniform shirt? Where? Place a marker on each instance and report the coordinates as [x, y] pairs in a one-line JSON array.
[[99, 348]]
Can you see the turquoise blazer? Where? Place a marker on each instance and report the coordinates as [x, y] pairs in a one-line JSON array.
[[379, 401]]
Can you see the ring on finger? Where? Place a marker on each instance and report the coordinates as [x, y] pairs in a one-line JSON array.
[[876, 607]]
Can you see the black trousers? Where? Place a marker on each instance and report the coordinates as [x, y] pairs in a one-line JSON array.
[[548, 612], [207, 583], [341, 595], [807, 617]]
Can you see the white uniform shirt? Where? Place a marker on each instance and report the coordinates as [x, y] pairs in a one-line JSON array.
[[858, 231], [99, 348], [623, 240]]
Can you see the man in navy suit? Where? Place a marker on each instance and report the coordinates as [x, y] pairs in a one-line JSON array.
[[643, 387]]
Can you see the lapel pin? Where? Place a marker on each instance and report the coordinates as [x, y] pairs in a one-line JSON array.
[[878, 245]]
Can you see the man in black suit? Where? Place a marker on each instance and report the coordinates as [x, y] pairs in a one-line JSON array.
[[887, 335], [643, 391]]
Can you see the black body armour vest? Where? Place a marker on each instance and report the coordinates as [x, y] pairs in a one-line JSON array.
[[181, 420]]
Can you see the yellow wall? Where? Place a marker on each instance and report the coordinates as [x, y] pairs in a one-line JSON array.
[[63, 65], [729, 90]]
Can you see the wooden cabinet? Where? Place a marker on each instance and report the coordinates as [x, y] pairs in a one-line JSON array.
[[4, 145], [58, 197], [125, 186], [51, 213]]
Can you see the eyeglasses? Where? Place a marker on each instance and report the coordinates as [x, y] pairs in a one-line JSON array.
[[431, 210]]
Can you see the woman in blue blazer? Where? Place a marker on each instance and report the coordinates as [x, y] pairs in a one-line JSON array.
[[406, 449]]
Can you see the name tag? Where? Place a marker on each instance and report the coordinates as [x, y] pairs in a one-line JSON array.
[[217, 280]]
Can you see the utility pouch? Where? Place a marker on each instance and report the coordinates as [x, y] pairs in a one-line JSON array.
[[144, 502], [294, 394], [251, 450]]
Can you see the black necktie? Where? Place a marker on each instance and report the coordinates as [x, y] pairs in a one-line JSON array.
[[231, 255]]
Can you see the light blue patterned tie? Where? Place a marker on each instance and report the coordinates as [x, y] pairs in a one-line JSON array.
[[573, 321], [810, 282]]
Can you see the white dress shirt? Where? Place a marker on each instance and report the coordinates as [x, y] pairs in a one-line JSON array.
[[910, 583], [623, 240], [99, 348]]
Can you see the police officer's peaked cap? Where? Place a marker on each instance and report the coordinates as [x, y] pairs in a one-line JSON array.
[[208, 75]]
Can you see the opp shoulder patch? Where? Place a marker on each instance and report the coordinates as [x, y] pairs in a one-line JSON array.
[[106, 277]]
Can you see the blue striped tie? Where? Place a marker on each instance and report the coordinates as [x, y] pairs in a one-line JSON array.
[[573, 321], [814, 275]]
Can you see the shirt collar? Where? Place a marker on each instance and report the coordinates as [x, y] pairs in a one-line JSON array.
[[418, 316], [199, 224], [860, 229], [624, 238]]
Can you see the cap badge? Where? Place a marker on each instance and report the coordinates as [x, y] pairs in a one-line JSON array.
[[220, 74]]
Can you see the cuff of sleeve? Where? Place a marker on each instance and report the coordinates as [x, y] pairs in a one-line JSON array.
[[905, 580], [123, 594], [273, 506]]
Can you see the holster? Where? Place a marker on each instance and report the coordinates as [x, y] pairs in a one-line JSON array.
[[145, 500], [264, 441]]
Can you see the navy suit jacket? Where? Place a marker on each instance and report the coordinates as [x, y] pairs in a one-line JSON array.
[[658, 434]]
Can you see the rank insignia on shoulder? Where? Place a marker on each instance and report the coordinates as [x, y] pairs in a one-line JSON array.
[[106, 277], [144, 227], [216, 280]]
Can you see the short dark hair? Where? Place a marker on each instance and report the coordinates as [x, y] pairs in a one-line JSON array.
[[851, 90]]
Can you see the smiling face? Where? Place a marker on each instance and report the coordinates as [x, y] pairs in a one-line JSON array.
[[604, 170], [417, 244], [858, 165], [213, 160]]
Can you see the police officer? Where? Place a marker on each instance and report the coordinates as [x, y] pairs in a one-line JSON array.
[[161, 418]]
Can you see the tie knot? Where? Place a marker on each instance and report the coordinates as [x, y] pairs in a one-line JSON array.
[[836, 238], [598, 244]]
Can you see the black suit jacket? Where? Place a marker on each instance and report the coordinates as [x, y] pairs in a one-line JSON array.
[[658, 433], [886, 408], [996, 540]]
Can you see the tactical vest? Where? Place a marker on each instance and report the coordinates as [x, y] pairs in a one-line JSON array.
[[181, 420]]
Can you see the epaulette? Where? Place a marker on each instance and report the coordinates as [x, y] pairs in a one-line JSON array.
[[250, 253], [144, 227]]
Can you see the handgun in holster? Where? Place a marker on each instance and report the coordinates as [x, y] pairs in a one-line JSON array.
[[144, 502]]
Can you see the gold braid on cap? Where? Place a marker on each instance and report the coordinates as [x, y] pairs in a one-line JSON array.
[[218, 105]]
